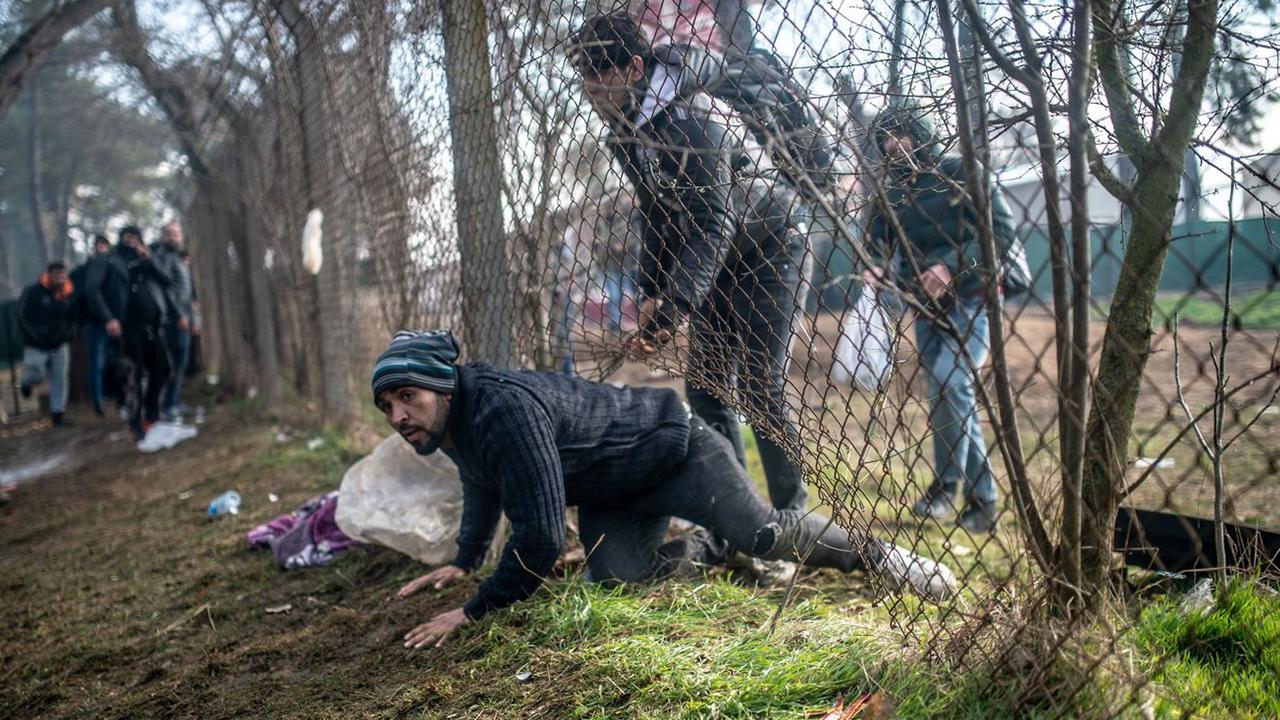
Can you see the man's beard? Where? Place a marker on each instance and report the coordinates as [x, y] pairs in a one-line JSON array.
[[900, 166], [429, 443]]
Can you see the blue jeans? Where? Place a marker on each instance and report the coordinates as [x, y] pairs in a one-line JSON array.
[[95, 344], [959, 452], [616, 287], [565, 337], [39, 365], [179, 342]]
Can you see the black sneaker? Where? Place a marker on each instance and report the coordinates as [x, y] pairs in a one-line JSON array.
[[26, 390], [979, 517], [937, 503], [60, 420]]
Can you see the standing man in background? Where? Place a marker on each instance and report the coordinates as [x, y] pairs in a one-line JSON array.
[[130, 293], [937, 257], [46, 312], [95, 330], [168, 253]]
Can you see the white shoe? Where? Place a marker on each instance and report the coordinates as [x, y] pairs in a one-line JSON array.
[[899, 567], [181, 433], [175, 433], [158, 438]]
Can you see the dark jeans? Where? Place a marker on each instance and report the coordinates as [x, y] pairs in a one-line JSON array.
[[149, 357], [710, 488], [95, 344], [741, 344], [179, 344]]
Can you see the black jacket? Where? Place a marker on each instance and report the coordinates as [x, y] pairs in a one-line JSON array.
[[939, 222], [531, 444], [695, 179], [938, 218], [121, 286], [47, 322], [79, 278], [180, 291]]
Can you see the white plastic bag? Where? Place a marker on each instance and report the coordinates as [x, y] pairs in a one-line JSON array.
[[408, 502], [864, 352]]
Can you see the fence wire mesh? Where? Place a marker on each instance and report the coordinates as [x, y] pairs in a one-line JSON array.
[[477, 168]]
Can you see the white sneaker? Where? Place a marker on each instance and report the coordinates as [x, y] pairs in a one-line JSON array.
[[158, 438], [899, 567], [181, 433]]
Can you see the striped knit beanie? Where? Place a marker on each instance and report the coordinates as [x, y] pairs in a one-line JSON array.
[[421, 359]]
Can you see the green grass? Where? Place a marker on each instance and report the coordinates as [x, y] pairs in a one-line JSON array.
[[123, 600], [1258, 310], [1224, 662], [703, 650]]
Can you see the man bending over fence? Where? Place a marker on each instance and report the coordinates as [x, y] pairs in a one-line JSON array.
[[723, 244], [531, 444]]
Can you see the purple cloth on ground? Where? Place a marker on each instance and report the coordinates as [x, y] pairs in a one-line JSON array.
[[306, 537]]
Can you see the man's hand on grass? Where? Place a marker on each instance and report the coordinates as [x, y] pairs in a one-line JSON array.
[[439, 578], [436, 630]]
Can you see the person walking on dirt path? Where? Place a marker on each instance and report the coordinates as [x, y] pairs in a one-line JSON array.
[[724, 246], [531, 444], [95, 330], [131, 291], [46, 312], [167, 252], [937, 257]]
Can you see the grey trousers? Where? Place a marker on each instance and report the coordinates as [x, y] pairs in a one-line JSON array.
[[710, 488], [39, 365]]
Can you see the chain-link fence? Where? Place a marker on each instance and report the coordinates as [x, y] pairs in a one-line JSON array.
[[705, 215]]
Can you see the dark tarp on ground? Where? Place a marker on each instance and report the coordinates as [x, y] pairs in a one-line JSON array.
[[1184, 543]]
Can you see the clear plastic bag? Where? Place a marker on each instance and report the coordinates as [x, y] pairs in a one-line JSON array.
[[408, 502], [864, 352]]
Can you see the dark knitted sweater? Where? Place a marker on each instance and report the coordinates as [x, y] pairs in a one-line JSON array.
[[531, 444]]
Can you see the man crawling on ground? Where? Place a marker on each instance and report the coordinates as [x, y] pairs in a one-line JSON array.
[[531, 444]]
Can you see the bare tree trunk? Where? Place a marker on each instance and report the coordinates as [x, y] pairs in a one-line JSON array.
[[895, 48], [8, 288], [171, 92], [61, 246], [35, 161], [1153, 197], [477, 177], [22, 59], [1076, 387], [264, 325], [323, 191]]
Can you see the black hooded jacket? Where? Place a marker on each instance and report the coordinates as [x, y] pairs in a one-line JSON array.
[[121, 286], [694, 179], [938, 220]]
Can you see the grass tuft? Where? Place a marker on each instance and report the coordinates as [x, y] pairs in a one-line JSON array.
[[1226, 659]]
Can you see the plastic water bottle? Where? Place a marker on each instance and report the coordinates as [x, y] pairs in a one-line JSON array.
[[228, 503]]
